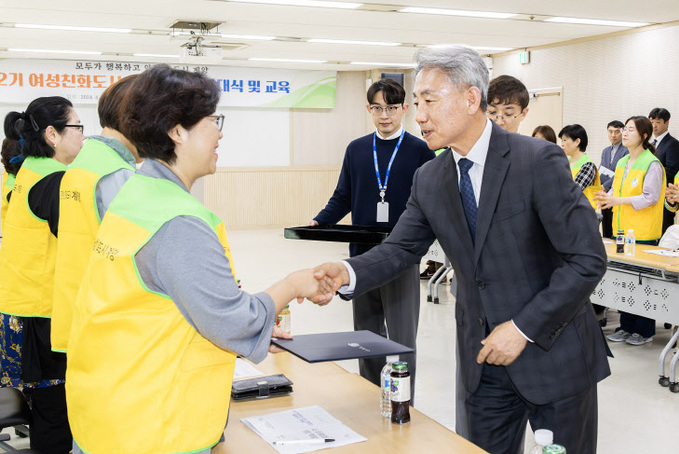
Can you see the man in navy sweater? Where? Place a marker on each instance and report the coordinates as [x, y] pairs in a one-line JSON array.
[[374, 185]]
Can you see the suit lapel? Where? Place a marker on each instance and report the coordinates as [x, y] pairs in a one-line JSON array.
[[494, 173], [452, 204]]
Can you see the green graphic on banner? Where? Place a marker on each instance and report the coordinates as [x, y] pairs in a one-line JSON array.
[[319, 95]]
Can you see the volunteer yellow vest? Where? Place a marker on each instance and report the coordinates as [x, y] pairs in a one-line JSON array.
[[28, 248], [647, 223], [78, 225], [590, 191], [140, 379], [7, 184]]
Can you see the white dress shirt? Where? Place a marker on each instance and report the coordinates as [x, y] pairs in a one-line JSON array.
[[660, 138], [395, 135]]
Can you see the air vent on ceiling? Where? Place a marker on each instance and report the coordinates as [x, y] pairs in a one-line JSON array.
[[228, 46], [196, 25]]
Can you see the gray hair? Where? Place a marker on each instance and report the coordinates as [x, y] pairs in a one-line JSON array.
[[463, 66]]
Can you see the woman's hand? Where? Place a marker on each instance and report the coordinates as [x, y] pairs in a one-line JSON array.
[[606, 200], [306, 285], [278, 333], [672, 194]]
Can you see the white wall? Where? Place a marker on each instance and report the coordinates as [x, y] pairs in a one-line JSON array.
[[606, 79]]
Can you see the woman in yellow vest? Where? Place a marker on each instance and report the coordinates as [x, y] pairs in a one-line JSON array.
[[159, 317], [585, 174], [12, 163], [51, 134], [637, 199], [92, 180]]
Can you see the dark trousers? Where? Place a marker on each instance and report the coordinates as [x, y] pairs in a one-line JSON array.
[[636, 323], [497, 416], [398, 304], [50, 432], [607, 223]]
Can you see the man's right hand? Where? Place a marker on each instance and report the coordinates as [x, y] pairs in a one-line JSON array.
[[336, 271], [313, 223]]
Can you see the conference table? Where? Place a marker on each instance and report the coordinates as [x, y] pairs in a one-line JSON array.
[[644, 284], [347, 397]]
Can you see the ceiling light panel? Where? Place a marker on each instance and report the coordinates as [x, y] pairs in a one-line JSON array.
[[457, 12], [350, 42], [74, 28], [610, 23], [54, 51], [310, 3]]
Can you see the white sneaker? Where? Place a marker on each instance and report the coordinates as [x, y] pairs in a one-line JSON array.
[[638, 339], [619, 336]]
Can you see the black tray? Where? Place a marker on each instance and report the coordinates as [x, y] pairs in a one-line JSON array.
[[362, 234]]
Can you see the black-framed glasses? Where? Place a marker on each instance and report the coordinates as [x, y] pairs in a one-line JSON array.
[[219, 120], [391, 110], [498, 116], [79, 127]]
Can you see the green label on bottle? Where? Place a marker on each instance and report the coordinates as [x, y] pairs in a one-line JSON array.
[[553, 449]]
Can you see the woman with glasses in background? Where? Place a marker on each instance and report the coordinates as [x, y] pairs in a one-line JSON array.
[[637, 198], [50, 136], [159, 317]]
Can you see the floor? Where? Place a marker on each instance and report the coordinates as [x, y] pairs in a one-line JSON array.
[[635, 413]]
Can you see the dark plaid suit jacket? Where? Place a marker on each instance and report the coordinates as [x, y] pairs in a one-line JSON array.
[[538, 256]]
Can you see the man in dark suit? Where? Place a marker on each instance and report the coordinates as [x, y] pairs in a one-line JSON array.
[[667, 151], [609, 159], [525, 247]]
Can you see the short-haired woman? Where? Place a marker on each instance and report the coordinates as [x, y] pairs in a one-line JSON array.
[[159, 317], [585, 174]]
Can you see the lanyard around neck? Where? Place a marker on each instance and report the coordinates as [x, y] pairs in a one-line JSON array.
[[383, 188]]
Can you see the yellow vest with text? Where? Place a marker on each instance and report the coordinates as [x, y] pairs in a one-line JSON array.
[[28, 249], [140, 379], [78, 225], [7, 185], [591, 190], [647, 222]]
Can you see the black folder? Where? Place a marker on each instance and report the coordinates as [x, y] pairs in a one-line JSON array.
[[318, 348]]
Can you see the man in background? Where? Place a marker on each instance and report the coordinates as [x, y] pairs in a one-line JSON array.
[[609, 159], [374, 185], [507, 102], [667, 151]]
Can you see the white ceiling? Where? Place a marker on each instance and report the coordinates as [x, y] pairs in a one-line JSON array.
[[292, 25]]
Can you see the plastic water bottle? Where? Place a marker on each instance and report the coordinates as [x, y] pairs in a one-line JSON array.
[[620, 242], [385, 381], [630, 243], [543, 437], [554, 449], [284, 319]]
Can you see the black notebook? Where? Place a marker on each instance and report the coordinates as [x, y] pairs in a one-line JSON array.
[[317, 348]]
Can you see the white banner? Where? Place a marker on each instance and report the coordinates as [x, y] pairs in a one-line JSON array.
[[22, 80]]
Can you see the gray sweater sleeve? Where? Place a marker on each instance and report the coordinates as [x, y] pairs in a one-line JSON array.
[[186, 261]]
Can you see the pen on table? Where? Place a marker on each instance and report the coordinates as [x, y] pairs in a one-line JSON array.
[[301, 442]]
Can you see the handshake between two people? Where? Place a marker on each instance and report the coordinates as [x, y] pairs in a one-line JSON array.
[[318, 284]]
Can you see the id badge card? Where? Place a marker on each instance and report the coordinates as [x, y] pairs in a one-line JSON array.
[[382, 211]]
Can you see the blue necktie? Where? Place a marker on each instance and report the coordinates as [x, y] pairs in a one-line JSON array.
[[467, 194]]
